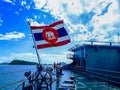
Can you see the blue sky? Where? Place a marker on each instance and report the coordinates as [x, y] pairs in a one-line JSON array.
[[97, 20]]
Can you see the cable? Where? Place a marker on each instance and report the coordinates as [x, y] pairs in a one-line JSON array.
[[23, 81], [15, 72], [10, 84]]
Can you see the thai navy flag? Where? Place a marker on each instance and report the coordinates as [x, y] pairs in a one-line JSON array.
[[50, 36]]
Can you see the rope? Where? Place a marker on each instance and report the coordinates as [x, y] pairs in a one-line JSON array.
[[10, 84], [13, 83], [23, 82], [15, 72], [20, 84]]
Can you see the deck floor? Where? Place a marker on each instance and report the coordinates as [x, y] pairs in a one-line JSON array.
[[82, 82]]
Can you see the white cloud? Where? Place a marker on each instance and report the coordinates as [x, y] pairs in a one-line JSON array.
[[105, 23], [46, 58], [80, 37], [12, 35], [19, 56], [39, 3], [70, 10], [17, 12], [35, 23], [116, 38], [50, 58], [24, 4], [9, 1], [28, 7]]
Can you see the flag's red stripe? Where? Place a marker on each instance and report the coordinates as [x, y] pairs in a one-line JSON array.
[[52, 45], [38, 27], [43, 27], [56, 23]]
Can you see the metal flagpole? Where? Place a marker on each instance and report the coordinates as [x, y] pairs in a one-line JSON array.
[[118, 36], [39, 59]]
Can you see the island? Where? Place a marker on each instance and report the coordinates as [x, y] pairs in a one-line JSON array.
[[22, 62]]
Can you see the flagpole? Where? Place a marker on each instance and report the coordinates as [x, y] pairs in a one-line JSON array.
[[39, 59]]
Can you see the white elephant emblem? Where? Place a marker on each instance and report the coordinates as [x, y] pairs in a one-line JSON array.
[[50, 35]]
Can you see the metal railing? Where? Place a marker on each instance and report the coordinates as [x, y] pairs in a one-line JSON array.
[[101, 74]]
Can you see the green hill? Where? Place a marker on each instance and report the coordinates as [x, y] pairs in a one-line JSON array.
[[21, 62]]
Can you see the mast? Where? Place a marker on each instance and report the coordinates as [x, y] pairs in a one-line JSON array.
[[39, 59], [118, 37]]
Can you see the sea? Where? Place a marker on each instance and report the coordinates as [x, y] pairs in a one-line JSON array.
[[10, 75]]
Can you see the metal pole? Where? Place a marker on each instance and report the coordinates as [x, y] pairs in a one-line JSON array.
[[39, 60], [118, 37]]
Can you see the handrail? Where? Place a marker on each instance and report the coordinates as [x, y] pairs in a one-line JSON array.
[[110, 71], [112, 76], [23, 82], [32, 78], [103, 42], [19, 81], [10, 84], [104, 78], [101, 77]]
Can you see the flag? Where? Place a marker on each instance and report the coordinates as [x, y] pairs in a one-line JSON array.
[[50, 36]]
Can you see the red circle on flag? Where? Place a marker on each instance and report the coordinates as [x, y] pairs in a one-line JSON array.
[[50, 35]]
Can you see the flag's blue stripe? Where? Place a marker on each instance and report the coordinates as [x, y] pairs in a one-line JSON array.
[[61, 32], [38, 36]]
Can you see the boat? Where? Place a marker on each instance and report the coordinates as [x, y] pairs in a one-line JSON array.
[[97, 59]]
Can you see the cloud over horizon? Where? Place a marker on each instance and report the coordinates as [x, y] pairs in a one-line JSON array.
[[46, 58], [12, 35], [9, 1]]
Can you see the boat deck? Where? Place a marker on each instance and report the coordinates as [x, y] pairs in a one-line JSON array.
[[82, 82]]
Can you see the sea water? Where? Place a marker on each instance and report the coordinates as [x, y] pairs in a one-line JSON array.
[[12, 73], [9, 74]]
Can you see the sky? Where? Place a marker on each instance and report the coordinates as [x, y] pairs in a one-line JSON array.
[[85, 20]]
